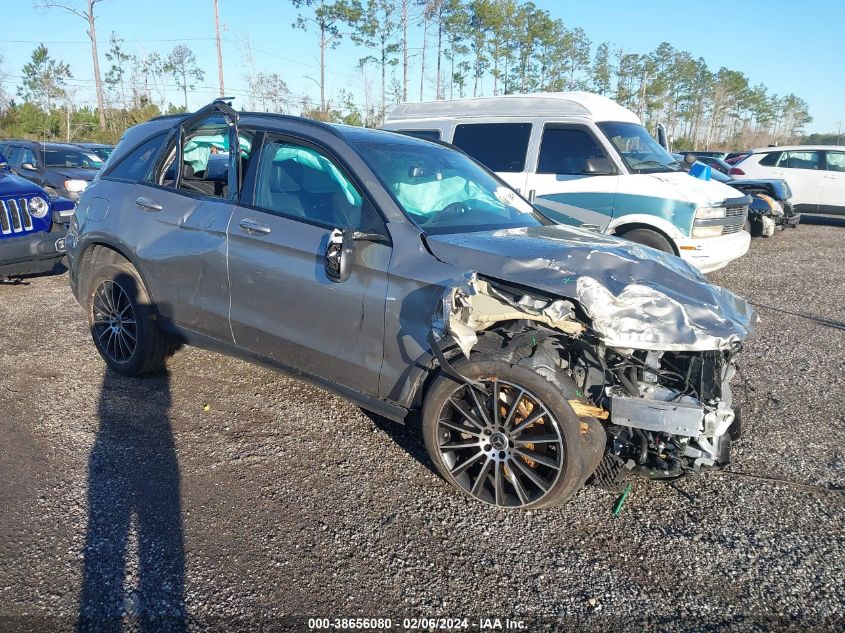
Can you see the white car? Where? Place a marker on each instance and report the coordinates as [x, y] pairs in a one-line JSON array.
[[815, 173]]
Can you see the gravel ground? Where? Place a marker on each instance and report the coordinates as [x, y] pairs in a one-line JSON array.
[[224, 497]]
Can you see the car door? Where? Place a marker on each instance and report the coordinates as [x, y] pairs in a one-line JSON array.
[[499, 145], [802, 169], [182, 215], [832, 195], [287, 302], [574, 180]]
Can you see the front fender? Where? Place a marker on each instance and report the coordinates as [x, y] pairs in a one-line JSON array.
[[661, 224]]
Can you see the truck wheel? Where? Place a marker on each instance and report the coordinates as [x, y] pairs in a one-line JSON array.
[[515, 446], [122, 322], [648, 237]]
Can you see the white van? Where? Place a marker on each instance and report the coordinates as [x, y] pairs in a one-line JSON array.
[[587, 161]]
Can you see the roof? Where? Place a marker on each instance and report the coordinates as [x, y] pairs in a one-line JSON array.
[[25, 141], [796, 148], [581, 104]]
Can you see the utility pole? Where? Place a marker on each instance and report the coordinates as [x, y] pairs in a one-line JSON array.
[[219, 49], [839, 132]]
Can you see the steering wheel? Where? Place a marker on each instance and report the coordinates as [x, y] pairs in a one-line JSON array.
[[455, 208]]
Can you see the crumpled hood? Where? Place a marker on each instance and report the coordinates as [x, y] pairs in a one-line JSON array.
[[681, 186], [75, 173], [11, 185], [636, 296]]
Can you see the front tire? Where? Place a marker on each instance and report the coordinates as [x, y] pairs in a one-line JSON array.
[[122, 322], [521, 453], [647, 237]]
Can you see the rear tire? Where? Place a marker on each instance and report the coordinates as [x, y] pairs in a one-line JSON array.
[[122, 321], [647, 237], [486, 454]]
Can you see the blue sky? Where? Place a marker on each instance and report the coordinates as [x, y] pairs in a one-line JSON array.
[[787, 45]]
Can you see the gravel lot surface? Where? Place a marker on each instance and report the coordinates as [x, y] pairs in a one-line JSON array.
[[224, 496]]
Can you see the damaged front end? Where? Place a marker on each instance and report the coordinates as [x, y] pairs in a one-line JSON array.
[[654, 371]]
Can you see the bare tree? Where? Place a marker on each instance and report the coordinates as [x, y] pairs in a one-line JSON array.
[[268, 92], [326, 18], [87, 14]]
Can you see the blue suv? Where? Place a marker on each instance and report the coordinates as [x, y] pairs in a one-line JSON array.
[[32, 227]]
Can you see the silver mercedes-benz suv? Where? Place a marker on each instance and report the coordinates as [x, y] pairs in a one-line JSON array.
[[404, 276]]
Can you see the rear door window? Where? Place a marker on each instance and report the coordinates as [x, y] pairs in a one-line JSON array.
[[500, 147], [801, 160], [566, 150], [136, 165]]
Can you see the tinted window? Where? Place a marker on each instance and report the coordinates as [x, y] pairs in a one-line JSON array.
[[566, 151], [803, 160], [771, 159], [836, 161], [426, 135], [27, 156], [136, 165], [302, 183], [70, 158], [498, 146]]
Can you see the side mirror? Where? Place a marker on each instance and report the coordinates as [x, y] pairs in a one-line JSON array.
[[598, 167], [690, 158], [340, 254], [29, 167], [378, 238]]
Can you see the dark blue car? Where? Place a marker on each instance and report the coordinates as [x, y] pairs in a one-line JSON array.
[[32, 227]]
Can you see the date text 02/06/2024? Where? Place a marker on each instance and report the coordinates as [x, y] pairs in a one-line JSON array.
[[412, 624]]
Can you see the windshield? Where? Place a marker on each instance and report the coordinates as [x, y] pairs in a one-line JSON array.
[[641, 153], [443, 191], [70, 158]]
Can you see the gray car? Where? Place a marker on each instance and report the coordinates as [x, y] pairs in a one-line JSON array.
[[404, 276]]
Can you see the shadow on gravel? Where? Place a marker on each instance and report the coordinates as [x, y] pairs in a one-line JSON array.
[[822, 220], [134, 513], [407, 436], [23, 280]]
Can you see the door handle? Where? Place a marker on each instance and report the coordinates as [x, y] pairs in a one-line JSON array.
[[147, 204], [831, 177], [254, 226]]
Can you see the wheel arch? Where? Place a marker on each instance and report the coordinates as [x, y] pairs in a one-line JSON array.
[[102, 252], [620, 229]]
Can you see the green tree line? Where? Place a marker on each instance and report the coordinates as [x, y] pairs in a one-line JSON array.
[[498, 47], [420, 49]]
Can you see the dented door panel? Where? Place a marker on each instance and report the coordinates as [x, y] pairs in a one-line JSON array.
[[284, 306]]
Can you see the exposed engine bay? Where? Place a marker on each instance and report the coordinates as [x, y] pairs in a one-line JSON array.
[[665, 413]]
